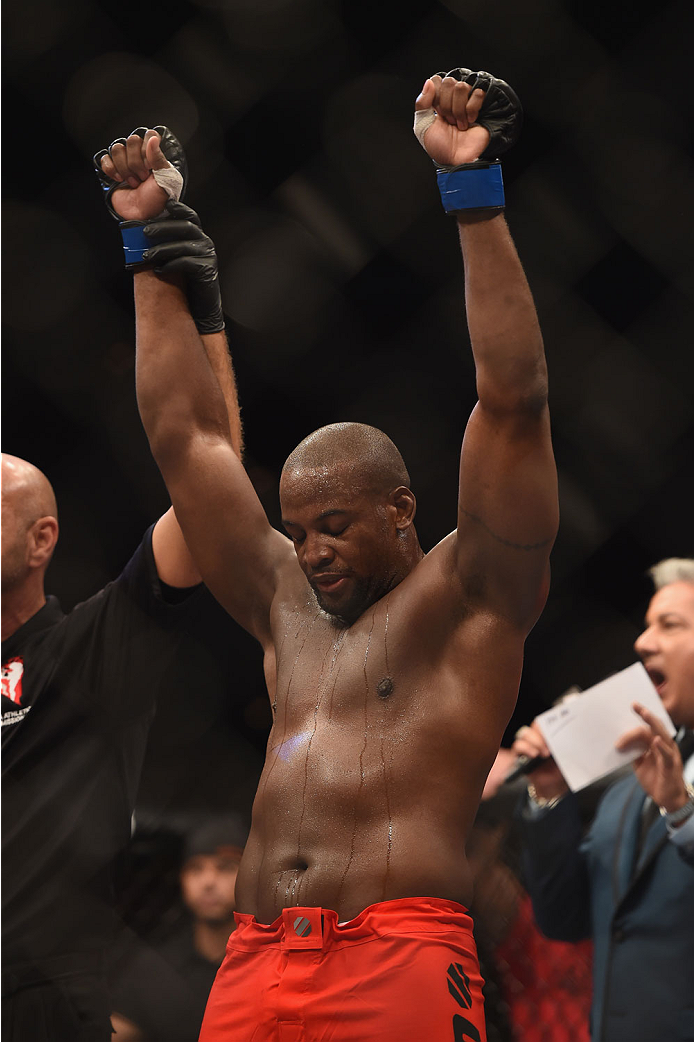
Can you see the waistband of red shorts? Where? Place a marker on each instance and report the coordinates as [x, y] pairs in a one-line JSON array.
[[300, 927]]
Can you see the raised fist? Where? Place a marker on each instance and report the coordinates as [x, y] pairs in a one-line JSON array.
[[462, 116], [140, 173]]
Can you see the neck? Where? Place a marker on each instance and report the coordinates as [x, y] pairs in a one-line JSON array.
[[210, 939], [416, 553], [20, 604], [411, 553]]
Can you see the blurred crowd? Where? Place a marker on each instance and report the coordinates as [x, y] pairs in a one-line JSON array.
[[177, 900]]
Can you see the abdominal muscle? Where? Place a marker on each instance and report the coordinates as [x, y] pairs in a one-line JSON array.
[[341, 822], [282, 882], [373, 771]]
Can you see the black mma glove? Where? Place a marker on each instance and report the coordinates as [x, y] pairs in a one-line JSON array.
[[478, 187], [170, 146], [179, 246], [134, 240], [501, 113]]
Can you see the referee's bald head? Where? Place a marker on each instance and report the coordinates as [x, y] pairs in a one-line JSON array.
[[29, 521]]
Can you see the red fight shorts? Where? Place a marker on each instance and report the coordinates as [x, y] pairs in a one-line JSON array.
[[402, 971]]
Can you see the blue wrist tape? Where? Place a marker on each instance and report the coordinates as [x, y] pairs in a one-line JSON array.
[[475, 186], [135, 242]]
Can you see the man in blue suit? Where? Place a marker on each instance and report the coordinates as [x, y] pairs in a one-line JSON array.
[[629, 882]]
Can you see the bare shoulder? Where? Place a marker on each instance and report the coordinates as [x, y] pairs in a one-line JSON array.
[[448, 606], [433, 587], [249, 574], [446, 635], [455, 581], [293, 596]]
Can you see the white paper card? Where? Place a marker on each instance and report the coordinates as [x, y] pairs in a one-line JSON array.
[[581, 733]]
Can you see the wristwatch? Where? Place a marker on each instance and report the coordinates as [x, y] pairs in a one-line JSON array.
[[548, 802], [676, 817]]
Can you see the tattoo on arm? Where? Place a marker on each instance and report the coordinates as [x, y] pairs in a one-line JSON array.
[[500, 539]]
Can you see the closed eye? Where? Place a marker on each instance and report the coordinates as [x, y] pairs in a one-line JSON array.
[[670, 622]]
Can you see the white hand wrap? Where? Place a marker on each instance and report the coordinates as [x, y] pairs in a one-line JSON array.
[[170, 180], [423, 119]]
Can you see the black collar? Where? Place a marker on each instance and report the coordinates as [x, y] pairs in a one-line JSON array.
[[46, 617]]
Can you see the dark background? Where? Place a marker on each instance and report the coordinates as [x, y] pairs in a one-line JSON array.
[[342, 288]]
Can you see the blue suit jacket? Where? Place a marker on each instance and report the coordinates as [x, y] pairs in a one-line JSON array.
[[639, 913]]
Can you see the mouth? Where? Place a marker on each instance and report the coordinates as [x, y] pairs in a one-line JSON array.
[[658, 679], [329, 583], [212, 905]]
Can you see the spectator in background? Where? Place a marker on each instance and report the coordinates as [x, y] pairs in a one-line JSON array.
[[630, 883], [536, 990], [160, 995]]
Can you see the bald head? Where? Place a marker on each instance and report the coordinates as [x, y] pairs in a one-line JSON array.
[[363, 456], [347, 506], [27, 487], [29, 521]]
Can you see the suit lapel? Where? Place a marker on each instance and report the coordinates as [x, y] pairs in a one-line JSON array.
[[657, 836], [630, 863], [654, 840], [626, 841]]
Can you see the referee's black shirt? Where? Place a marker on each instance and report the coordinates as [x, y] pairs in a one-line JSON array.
[[78, 696]]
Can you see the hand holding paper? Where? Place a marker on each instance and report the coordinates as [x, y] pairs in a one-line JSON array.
[[529, 745], [582, 734]]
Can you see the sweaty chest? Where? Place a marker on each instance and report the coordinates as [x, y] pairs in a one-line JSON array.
[[329, 673]]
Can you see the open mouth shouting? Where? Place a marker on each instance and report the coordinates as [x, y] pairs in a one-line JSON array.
[[658, 679]]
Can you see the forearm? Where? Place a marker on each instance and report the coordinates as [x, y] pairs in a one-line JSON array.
[[217, 350], [178, 393], [503, 324]]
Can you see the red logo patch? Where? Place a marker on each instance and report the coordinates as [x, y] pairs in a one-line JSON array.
[[12, 672]]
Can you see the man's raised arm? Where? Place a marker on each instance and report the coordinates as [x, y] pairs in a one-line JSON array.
[[507, 509], [175, 564], [182, 371]]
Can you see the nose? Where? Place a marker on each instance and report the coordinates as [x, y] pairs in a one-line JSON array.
[[317, 551], [208, 878], [646, 643]]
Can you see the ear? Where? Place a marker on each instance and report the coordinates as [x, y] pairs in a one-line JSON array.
[[43, 535], [405, 505]]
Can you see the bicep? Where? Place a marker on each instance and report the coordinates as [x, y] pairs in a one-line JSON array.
[[507, 510], [173, 560], [238, 553], [125, 1030]]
